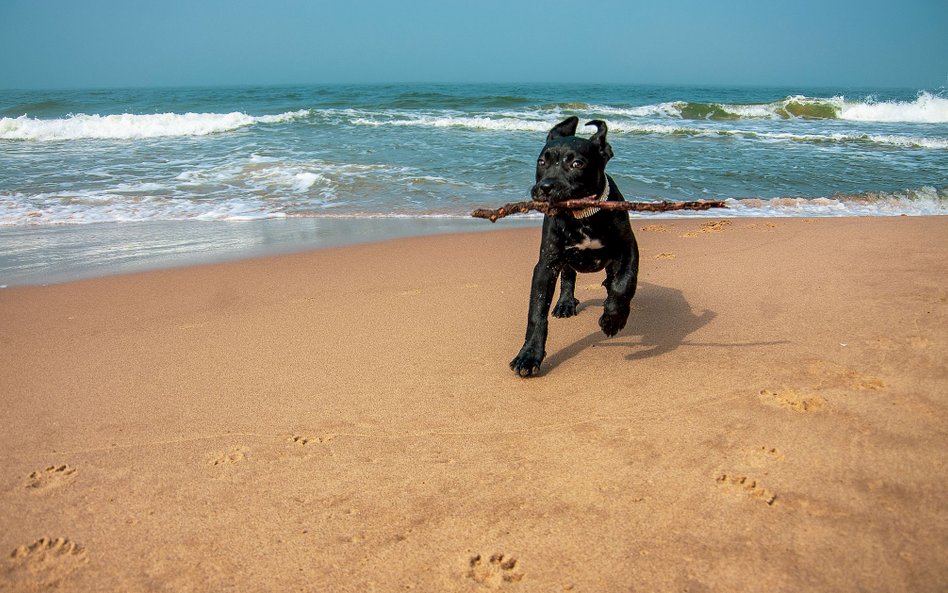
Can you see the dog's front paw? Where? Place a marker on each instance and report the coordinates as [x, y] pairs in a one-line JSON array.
[[527, 363], [613, 322], [565, 308]]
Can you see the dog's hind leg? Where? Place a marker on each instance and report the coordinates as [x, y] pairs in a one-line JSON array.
[[621, 279], [567, 303]]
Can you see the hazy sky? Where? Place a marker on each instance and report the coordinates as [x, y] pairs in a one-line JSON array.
[[115, 43]]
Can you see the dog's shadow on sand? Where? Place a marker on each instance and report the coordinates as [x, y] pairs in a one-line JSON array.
[[661, 319]]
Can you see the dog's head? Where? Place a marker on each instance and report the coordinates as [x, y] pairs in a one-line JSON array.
[[571, 167]]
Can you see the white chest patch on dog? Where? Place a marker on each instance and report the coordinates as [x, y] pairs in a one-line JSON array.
[[589, 243]]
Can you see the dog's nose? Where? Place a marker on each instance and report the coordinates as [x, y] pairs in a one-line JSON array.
[[544, 188]]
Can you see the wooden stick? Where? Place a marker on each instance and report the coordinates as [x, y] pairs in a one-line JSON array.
[[582, 203]]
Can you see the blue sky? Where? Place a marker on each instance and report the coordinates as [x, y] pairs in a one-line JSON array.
[[110, 43]]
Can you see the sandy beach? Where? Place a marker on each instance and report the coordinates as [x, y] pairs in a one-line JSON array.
[[773, 419]]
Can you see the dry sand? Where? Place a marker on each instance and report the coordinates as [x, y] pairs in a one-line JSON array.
[[773, 418]]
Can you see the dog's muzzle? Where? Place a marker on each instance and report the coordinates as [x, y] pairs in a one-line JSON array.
[[543, 190]]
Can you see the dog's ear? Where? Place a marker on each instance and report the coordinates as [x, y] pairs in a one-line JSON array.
[[567, 127], [599, 139]]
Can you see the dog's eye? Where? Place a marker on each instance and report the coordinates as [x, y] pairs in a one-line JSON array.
[[540, 162], [577, 164]]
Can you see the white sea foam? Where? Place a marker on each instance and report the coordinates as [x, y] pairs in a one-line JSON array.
[[927, 108], [924, 201], [131, 126], [84, 207], [459, 121], [884, 139], [513, 124], [666, 109], [252, 188], [81, 207]]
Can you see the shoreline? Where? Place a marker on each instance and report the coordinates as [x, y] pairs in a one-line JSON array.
[[771, 419], [65, 253], [44, 255]]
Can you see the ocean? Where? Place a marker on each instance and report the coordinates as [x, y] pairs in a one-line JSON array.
[[102, 181]]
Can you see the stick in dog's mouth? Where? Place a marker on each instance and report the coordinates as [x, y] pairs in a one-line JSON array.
[[590, 202]]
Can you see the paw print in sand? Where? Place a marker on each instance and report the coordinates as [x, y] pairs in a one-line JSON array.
[[235, 455], [493, 571], [45, 563], [51, 477]]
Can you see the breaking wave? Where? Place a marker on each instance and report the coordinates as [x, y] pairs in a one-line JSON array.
[[926, 108], [128, 126], [660, 118]]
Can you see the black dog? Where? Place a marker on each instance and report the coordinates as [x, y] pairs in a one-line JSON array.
[[577, 241]]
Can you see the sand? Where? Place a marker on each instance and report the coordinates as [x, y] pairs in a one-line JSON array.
[[773, 418]]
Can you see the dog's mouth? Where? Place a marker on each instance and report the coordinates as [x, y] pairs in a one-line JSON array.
[[555, 195]]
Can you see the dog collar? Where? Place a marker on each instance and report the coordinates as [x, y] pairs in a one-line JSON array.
[[586, 212]]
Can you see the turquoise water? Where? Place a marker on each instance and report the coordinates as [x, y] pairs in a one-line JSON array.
[[95, 159]]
